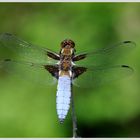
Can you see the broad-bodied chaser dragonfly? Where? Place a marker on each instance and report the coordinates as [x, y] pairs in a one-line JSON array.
[[86, 69]]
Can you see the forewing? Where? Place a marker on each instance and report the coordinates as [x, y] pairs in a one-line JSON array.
[[94, 76], [26, 51], [106, 55], [34, 72]]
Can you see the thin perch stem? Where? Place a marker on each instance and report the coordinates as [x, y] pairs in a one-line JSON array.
[[74, 120]]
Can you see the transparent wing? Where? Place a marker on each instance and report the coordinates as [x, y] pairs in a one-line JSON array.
[[98, 75], [26, 51], [106, 55], [34, 72]]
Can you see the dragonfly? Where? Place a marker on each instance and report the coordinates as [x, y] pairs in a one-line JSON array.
[[86, 69]]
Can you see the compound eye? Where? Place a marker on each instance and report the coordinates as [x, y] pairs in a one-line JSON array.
[[67, 42], [63, 44], [73, 44]]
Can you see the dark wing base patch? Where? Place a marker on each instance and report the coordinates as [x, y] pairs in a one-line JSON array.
[[53, 55], [77, 71], [53, 69], [79, 57]]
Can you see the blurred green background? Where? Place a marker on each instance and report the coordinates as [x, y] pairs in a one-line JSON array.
[[29, 110]]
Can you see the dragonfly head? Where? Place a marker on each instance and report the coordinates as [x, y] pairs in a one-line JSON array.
[[68, 45]]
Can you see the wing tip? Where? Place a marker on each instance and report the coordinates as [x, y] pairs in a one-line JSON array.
[[126, 66], [7, 59], [5, 36], [128, 41], [8, 34]]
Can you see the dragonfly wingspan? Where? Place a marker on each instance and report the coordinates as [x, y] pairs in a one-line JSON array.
[[26, 51], [97, 67], [34, 72], [94, 76], [105, 55]]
